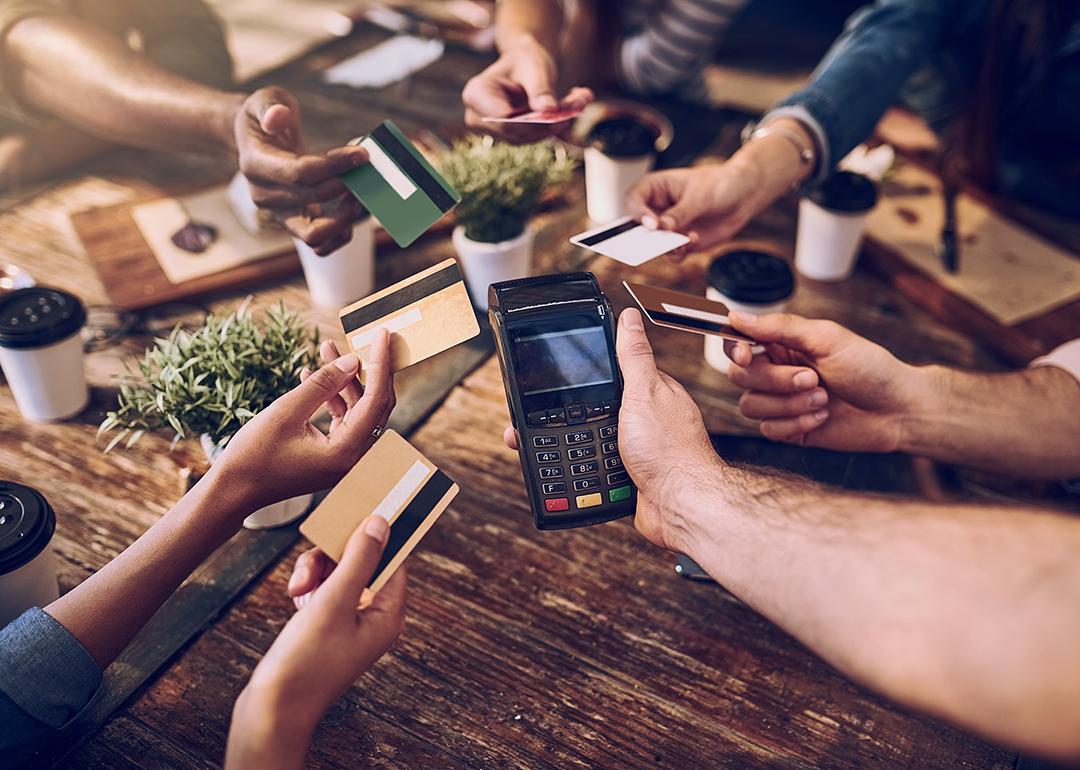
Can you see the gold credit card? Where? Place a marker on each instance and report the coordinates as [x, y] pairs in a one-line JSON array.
[[392, 480], [425, 314]]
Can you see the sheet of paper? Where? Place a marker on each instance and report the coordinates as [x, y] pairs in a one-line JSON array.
[[388, 62], [1005, 269], [158, 220]]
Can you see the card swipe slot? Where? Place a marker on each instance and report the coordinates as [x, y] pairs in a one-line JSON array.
[[411, 519]]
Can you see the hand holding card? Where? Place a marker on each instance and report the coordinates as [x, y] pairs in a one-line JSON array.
[[629, 242], [540, 117]]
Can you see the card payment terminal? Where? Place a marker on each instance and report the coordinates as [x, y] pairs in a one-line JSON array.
[[555, 337]]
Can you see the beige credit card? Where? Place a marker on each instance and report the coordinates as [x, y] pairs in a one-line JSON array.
[[392, 480], [425, 314]]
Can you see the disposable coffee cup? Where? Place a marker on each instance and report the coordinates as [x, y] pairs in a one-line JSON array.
[[750, 282], [27, 570], [832, 220], [41, 352], [619, 152], [345, 276]]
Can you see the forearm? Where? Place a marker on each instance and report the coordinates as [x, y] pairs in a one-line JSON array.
[[534, 20], [106, 610], [69, 68], [265, 736], [1024, 423], [965, 612]]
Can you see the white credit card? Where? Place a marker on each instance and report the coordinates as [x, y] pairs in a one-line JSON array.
[[629, 241]]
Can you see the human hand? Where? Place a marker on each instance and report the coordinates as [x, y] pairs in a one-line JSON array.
[[710, 204], [819, 384], [339, 633], [303, 190], [280, 454], [522, 79], [662, 438]]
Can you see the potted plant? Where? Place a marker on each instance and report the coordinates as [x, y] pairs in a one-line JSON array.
[[500, 185], [208, 382]]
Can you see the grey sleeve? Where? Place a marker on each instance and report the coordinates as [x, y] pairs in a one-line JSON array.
[[46, 679]]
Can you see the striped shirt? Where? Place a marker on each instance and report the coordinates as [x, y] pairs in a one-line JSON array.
[[668, 42]]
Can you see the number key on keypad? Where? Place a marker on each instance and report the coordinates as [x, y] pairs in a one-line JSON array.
[[609, 432], [582, 468], [579, 437], [545, 440], [548, 457], [581, 453], [551, 472], [584, 485], [609, 447], [613, 463]]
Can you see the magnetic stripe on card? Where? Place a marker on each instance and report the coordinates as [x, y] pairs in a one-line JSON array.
[[403, 297], [413, 168], [611, 232], [414, 515]]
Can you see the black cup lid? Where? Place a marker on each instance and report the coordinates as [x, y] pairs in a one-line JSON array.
[[754, 277], [623, 137], [847, 192], [35, 317], [27, 523]]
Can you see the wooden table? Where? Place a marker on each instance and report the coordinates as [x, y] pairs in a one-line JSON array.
[[522, 648]]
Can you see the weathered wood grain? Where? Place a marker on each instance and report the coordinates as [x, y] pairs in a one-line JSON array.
[[522, 648]]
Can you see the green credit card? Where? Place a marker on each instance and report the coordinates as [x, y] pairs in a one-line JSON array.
[[398, 186]]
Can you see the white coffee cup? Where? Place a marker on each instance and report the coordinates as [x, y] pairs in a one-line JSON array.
[[832, 220], [27, 569], [345, 276], [750, 282], [41, 352], [620, 150]]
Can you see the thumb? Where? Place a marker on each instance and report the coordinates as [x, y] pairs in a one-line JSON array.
[[792, 331], [681, 215], [322, 385], [538, 83], [276, 110], [634, 351], [343, 589]]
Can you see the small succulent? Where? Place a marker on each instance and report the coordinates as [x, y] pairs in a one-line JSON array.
[[501, 183], [214, 379]]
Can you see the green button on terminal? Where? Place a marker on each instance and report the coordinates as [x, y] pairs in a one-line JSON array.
[[621, 493]]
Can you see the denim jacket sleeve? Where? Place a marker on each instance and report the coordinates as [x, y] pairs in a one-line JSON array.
[[46, 679], [862, 74]]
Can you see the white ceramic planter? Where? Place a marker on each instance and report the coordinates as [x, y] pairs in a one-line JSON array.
[[608, 180], [486, 263], [345, 276], [274, 515]]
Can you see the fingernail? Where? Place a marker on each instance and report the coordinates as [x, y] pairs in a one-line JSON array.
[[631, 319], [650, 221], [818, 398], [820, 415], [739, 315], [804, 380], [299, 575], [347, 363], [304, 374], [377, 528]]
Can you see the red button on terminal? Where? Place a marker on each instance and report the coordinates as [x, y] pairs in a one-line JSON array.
[[557, 504]]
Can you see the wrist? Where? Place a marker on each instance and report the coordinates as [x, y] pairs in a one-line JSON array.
[[698, 497], [264, 733], [922, 410], [227, 114]]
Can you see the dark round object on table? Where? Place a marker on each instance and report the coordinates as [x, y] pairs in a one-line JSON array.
[[752, 277], [195, 237], [623, 137], [846, 192], [27, 523], [36, 317]]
